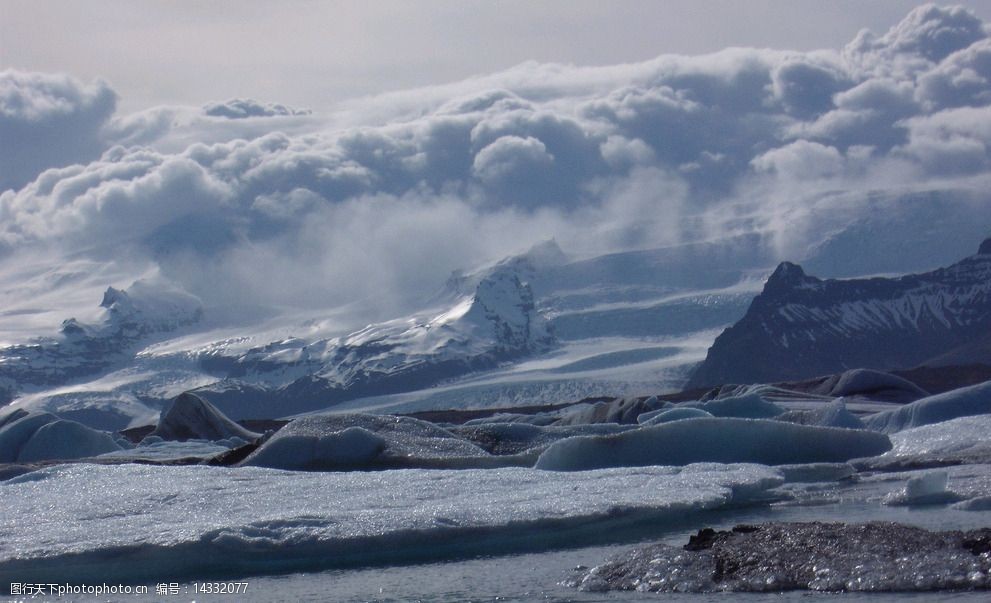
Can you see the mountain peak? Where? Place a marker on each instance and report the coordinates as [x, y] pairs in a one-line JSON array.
[[985, 248], [786, 276], [506, 303], [112, 296], [546, 254]]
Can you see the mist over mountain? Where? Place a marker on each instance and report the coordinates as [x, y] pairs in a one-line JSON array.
[[281, 207]]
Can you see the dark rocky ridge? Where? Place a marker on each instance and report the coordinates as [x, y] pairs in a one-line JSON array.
[[801, 327]]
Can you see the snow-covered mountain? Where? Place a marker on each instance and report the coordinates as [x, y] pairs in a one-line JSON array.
[[142, 311], [801, 326], [495, 324], [538, 327]]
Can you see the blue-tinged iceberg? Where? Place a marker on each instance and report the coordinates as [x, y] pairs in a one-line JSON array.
[[719, 440], [40, 436], [963, 402]]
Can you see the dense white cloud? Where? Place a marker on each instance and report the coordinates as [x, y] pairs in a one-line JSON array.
[[241, 108], [383, 198], [48, 120]]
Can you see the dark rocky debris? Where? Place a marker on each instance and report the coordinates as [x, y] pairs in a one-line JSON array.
[[833, 557]]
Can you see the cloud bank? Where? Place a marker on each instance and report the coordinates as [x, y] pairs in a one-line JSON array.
[[379, 200]]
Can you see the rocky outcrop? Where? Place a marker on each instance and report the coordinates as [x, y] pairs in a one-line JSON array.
[[801, 327], [832, 557]]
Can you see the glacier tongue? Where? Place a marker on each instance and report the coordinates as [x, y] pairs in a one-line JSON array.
[[171, 523]]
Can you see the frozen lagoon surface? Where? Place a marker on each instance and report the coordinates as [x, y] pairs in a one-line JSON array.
[[432, 535], [133, 523], [508, 533]]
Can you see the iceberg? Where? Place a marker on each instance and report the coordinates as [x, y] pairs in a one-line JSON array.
[[720, 440], [16, 429], [962, 402], [872, 384], [41, 436], [183, 522], [190, 417], [829, 414], [964, 437], [749, 406], [620, 410], [516, 438], [63, 440], [666, 415], [352, 441], [926, 489]]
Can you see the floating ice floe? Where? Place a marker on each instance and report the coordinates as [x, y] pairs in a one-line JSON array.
[[963, 402], [721, 440], [180, 522], [926, 489]]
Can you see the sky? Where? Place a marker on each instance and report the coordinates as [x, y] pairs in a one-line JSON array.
[[310, 155], [317, 53]]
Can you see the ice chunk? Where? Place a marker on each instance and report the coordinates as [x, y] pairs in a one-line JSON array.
[[170, 523], [722, 440], [17, 430], [515, 438], [926, 489], [961, 437], [748, 406], [350, 447], [190, 417], [829, 414], [156, 449], [620, 410], [66, 440], [816, 472], [978, 503], [674, 414], [538, 418], [963, 402], [317, 442], [873, 384], [13, 415]]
